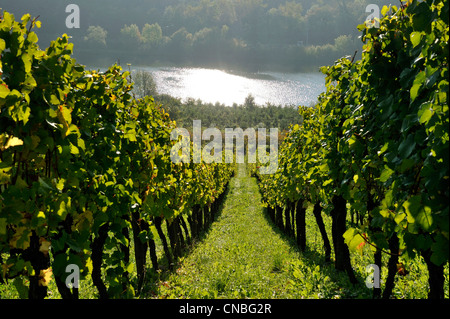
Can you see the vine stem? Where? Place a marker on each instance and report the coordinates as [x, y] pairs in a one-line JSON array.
[[375, 246], [354, 55], [32, 23]]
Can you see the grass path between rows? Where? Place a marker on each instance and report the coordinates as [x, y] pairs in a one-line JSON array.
[[241, 256], [244, 256]]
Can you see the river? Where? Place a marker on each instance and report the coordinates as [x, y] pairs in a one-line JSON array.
[[227, 87]]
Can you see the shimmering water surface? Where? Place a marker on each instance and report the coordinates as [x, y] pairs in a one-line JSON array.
[[227, 87]]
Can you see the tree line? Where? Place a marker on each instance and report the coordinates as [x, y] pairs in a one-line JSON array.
[[248, 114], [253, 34]]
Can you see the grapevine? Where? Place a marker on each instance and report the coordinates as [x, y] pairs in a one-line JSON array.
[[83, 164], [378, 139]]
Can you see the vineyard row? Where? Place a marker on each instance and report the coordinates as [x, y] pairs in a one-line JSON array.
[[377, 141], [85, 171]]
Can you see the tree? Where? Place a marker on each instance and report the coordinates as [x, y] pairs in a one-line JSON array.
[[345, 45], [96, 35], [179, 46], [131, 34], [321, 25], [152, 35], [250, 102], [144, 84]]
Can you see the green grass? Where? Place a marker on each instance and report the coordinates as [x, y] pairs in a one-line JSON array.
[[240, 257], [321, 280], [243, 255]]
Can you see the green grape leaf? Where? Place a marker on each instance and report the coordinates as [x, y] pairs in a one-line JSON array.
[[423, 18], [422, 215], [415, 38], [425, 112], [407, 146], [440, 250]]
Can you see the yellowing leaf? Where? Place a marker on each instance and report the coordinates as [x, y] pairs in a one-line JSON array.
[[26, 17], [425, 115], [399, 217], [3, 226], [64, 117], [81, 144], [59, 183], [354, 240], [384, 10], [2, 45], [4, 90], [360, 247], [54, 100], [385, 174], [81, 220], [5, 268], [63, 208], [130, 268], [21, 238], [415, 38], [383, 149], [45, 276], [89, 265], [45, 246], [12, 141], [327, 182], [74, 150]]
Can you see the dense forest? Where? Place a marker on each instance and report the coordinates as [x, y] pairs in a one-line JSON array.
[[296, 35]]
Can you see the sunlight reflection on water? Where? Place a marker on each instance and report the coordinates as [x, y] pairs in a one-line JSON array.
[[227, 88]]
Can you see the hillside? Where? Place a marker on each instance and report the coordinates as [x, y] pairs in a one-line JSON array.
[[251, 34]]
